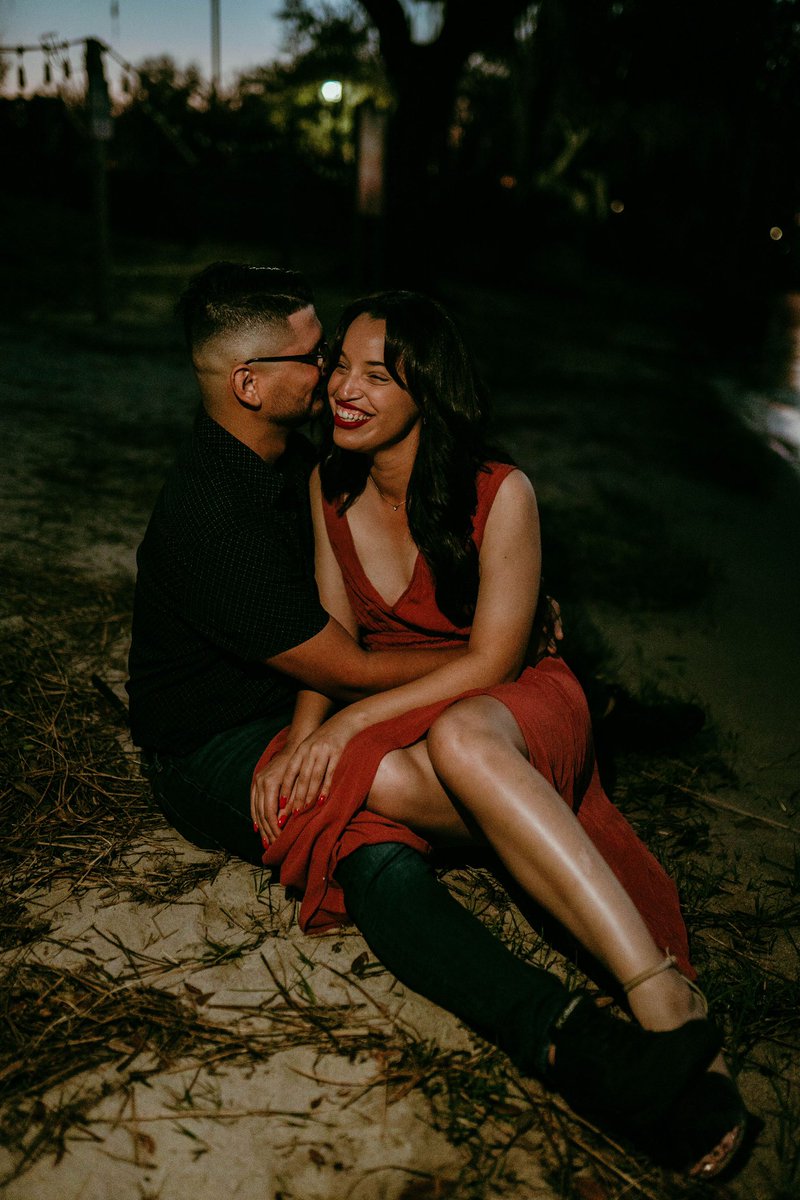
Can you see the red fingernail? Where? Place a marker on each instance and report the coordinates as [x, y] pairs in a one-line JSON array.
[[255, 827], [284, 800], [265, 843], [282, 820], [321, 801]]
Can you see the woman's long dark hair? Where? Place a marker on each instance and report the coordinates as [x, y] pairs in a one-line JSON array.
[[425, 355]]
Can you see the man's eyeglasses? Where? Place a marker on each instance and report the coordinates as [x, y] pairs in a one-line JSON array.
[[317, 357]]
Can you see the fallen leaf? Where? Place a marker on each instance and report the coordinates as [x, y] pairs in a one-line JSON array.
[[359, 963]]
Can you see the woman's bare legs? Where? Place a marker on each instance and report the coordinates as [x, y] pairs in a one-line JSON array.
[[406, 789], [476, 750]]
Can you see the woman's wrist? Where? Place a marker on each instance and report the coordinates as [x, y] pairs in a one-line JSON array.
[[358, 717], [296, 737]]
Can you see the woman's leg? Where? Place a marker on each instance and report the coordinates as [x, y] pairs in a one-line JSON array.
[[481, 756], [406, 789], [478, 752]]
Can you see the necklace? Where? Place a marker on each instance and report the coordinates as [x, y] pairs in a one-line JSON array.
[[393, 507]]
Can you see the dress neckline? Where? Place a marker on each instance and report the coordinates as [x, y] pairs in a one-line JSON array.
[[365, 577]]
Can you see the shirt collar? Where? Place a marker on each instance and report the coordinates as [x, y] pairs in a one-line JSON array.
[[262, 477]]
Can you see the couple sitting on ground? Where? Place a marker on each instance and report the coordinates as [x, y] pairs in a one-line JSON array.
[[329, 689]]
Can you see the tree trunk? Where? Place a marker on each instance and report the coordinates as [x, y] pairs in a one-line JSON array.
[[425, 79]]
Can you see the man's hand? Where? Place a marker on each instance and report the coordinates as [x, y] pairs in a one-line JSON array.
[[547, 630]]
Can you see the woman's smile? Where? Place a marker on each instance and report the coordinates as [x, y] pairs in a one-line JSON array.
[[347, 416], [361, 389]]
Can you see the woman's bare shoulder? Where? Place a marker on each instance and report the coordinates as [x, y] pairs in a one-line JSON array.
[[515, 488]]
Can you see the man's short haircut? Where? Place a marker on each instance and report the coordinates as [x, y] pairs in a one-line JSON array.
[[230, 297]]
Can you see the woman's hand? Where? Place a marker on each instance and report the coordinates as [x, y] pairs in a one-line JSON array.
[[308, 773], [265, 795], [299, 776]]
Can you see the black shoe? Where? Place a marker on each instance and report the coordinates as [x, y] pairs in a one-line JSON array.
[[708, 1107], [625, 1077]]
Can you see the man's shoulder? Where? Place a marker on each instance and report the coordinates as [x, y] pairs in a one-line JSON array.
[[208, 495], [198, 500]]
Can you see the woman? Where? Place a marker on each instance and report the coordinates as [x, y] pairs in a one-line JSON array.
[[423, 538]]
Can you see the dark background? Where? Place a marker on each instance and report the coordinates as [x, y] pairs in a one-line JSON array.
[[547, 142]]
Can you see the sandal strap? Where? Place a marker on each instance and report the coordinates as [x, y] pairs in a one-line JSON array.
[[666, 964]]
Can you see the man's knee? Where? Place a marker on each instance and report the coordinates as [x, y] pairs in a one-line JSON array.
[[383, 871]]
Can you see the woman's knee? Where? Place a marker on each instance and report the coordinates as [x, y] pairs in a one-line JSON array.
[[460, 733]]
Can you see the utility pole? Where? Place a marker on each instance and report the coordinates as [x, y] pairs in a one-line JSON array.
[[215, 46], [99, 114]]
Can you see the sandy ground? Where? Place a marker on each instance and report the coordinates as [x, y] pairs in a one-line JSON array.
[[337, 1082]]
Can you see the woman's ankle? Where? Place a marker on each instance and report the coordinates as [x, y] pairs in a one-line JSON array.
[[665, 1002]]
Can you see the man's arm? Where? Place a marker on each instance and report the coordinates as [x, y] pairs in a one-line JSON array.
[[332, 662]]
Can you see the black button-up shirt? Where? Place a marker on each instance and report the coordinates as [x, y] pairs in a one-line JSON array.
[[225, 581]]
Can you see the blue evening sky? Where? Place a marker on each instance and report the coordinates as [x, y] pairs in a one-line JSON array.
[[250, 31]]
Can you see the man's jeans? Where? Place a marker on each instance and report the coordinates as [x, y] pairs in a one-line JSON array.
[[408, 918], [205, 795]]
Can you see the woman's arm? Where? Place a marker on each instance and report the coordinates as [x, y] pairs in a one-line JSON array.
[[510, 567]]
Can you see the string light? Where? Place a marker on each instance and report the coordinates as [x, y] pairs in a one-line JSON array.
[[55, 55]]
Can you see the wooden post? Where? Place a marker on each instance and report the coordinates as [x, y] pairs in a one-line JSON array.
[[215, 47], [99, 114], [370, 131]]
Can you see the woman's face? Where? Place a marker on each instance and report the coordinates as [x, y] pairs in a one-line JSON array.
[[370, 410]]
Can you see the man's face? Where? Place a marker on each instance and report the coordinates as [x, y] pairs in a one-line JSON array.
[[290, 390]]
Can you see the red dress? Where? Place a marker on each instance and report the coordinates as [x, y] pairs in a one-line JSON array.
[[547, 703]]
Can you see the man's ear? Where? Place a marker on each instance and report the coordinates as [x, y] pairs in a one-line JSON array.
[[245, 387]]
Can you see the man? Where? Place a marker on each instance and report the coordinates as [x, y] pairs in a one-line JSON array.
[[227, 619], [227, 624]]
